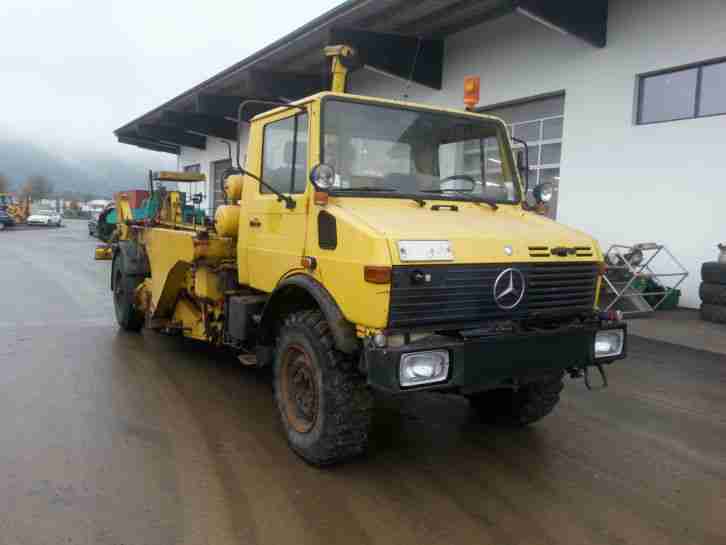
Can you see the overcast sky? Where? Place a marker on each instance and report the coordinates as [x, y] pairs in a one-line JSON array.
[[72, 71]]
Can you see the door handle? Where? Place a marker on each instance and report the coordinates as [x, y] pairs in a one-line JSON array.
[[254, 222]]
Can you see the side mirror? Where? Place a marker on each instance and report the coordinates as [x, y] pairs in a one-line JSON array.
[[544, 192], [322, 176], [521, 161]]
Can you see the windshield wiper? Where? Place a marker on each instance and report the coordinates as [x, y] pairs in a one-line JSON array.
[[367, 188], [379, 189], [492, 204]]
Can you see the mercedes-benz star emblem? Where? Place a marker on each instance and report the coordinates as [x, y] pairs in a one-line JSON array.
[[509, 289]]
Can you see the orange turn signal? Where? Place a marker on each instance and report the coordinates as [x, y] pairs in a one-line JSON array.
[[321, 198], [471, 91], [377, 275], [309, 262]]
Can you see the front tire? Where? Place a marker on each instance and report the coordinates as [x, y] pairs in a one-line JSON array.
[[323, 402], [124, 288], [528, 404]]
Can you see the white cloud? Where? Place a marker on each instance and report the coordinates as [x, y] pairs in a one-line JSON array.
[[72, 71]]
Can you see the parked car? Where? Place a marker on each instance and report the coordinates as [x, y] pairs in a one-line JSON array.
[[45, 217], [93, 225]]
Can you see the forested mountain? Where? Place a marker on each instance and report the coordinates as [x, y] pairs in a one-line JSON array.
[[90, 173]]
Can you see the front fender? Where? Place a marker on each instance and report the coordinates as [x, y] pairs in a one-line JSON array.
[[296, 292]]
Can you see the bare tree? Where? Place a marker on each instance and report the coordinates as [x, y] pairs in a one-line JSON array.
[[4, 184], [38, 187]]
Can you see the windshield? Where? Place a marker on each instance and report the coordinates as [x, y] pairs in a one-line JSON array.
[[388, 149]]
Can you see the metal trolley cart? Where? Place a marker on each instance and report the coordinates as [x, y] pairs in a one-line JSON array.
[[640, 278]]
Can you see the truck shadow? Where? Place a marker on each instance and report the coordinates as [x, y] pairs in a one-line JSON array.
[[415, 426]]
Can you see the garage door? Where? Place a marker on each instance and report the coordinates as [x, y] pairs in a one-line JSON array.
[[539, 123]]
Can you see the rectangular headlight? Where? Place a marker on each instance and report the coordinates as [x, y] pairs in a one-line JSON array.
[[419, 368], [609, 343]]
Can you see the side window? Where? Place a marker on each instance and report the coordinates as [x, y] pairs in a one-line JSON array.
[[285, 154]]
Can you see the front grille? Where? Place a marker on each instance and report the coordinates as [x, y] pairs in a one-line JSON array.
[[546, 251], [463, 294]]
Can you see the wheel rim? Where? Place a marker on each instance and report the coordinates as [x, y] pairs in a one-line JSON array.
[[299, 389]]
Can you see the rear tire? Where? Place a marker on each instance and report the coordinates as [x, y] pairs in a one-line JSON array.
[[124, 288], [323, 402], [526, 405], [713, 272], [713, 294], [713, 313]]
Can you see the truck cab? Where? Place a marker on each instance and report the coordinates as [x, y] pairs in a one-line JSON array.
[[373, 244]]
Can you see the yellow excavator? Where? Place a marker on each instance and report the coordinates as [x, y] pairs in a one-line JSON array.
[[13, 212]]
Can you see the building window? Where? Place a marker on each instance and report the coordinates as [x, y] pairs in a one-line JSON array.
[[192, 168], [682, 93], [285, 155]]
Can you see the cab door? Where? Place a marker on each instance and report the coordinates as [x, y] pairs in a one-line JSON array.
[[276, 234]]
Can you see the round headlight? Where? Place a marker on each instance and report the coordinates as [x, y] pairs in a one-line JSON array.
[[544, 192], [323, 176]]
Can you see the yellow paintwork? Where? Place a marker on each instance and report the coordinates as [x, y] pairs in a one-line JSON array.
[[205, 285], [124, 214], [271, 240], [233, 187], [369, 230], [226, 220], [475, 230], [173, 176], [338, 69], [271, 237], [103, 252], [171, 256]]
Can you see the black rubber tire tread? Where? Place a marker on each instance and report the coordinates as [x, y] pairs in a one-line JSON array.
[[345, 402], [127, 315], [521, 407], [713, 313], [713, 272], [712, 294]]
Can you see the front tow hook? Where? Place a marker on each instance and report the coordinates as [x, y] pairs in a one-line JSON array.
[[584, 372]]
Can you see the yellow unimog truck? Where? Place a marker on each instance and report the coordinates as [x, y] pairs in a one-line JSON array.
[[373, 244]]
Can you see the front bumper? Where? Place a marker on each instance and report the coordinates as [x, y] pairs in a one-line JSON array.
[[488, 362]]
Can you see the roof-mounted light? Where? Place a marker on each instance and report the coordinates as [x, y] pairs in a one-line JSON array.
[[471, 92]]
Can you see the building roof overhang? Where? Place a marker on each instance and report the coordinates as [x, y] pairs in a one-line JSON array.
[[401, 38]]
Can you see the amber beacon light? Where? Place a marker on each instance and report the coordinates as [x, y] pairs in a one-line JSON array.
[[471, 91]]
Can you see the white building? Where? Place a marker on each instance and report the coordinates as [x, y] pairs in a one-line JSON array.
[[620, 101], [94, 206]]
